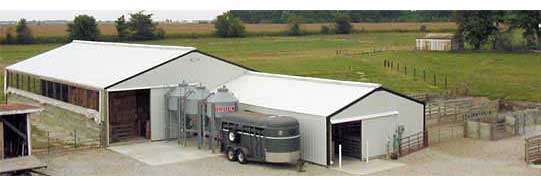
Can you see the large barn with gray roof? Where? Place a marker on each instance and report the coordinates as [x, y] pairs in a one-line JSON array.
[[107, 80]]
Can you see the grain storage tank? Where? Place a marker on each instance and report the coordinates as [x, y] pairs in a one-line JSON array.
[[221, 102], [218, 104], [173, 112], [194, 108]]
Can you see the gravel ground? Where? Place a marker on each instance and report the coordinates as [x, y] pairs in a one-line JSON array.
[[106, 162], [456, 157], [468, 157]]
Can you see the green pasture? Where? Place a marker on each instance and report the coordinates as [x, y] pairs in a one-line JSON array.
[[344, 57]]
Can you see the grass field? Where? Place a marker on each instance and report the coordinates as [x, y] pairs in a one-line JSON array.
[[497, 75], [48, 30]]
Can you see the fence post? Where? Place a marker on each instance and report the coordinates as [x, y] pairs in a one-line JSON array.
[[434, 79], [424, 75], [405, 70], [414, 72], [48, 144], [398, 67], [75, 138], [445, 81]]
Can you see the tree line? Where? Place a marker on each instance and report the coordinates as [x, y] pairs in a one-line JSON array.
[[318, 16], [475, 28], [478, 28], [139, 26]]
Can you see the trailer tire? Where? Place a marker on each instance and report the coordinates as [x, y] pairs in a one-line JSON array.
[[230, 154], [241, 157], [232, 136]]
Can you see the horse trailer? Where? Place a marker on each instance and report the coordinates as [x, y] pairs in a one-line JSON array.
[[252, 136]]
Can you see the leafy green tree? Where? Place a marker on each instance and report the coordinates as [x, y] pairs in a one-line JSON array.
[[142, 27], [343, 24], [83, 27], [227, 25], [478, 26], [24, 35], [121, 28], [294, 22], [529, 21]]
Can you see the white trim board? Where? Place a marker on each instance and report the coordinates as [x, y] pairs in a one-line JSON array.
[[365, 117]]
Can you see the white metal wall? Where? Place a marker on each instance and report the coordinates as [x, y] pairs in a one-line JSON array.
[[375, 133], [410, 114], [157, 114], [434, 44], [312, 129], [193, 67]]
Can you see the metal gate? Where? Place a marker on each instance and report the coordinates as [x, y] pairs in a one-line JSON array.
[[532, 149]]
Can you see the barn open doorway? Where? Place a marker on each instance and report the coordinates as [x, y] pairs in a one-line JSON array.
[[129, 115], [14, 136], [348, 134]]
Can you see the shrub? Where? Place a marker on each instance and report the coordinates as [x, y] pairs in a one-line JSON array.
[[326, 30], [227, 25], [423, 28], [9, 38], [343, 24], [160, 33]]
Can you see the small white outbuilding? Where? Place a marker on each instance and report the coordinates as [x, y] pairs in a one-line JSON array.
[[112, 80]]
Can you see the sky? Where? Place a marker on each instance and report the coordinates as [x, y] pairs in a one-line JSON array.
[[107, 15]]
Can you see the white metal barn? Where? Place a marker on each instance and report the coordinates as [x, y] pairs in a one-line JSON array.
[[114, 80]]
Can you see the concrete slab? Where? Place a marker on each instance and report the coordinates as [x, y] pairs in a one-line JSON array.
[[162, 152], [357, 167]]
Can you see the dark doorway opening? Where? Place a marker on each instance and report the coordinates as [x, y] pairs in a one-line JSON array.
[[15, 134], [129, 115], [347, 134]]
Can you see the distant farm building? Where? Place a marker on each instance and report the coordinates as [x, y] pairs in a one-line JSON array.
[[437, 42]]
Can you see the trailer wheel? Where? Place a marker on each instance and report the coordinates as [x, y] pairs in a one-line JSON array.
[[241, 157], [230, 154], [232, 136]]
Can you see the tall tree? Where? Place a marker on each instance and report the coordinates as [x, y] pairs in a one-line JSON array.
[[343, 24], [141, 26], [294, 23], [530, 22], [83, 27], [24, 35], [228, 25], [478, 26], [121, 28]]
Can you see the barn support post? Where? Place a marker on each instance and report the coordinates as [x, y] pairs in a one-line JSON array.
[[104, 116], [1, 139], [28, 131]]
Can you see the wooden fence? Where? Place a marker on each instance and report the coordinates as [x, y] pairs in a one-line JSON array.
[[412, 143], [429, 76], [532, 149]]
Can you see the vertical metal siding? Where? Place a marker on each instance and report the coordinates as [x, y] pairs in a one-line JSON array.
[[312, 130], [157, 114]]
